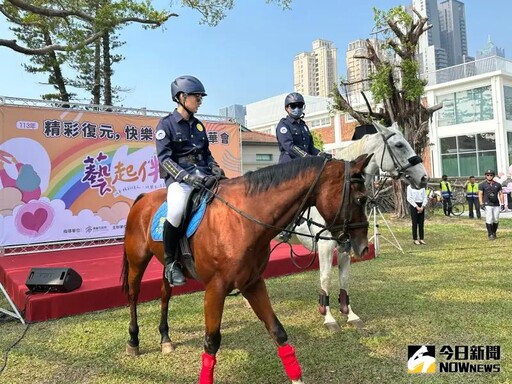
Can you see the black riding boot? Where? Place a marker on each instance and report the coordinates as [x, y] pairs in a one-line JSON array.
[[489, 231], [494, 228], [172, 271]]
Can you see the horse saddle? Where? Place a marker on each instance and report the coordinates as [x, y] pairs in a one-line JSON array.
[[192, 217]]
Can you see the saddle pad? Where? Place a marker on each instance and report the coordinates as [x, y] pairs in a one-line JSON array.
[[157, 224]]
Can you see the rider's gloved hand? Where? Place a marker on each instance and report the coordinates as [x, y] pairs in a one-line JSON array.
[[194, 181], [325, 155], [209, 181], [217, 171]]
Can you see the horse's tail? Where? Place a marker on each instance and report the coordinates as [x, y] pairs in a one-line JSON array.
[[124, 272]]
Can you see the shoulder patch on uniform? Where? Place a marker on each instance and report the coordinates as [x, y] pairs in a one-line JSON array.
[[283, 130], [200, 127], [160, 134]]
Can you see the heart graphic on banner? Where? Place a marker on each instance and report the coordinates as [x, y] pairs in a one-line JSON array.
[[34, 221], [34, 218]]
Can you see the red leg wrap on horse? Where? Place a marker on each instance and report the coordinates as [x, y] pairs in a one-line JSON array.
[[290, 362], [206, 376]]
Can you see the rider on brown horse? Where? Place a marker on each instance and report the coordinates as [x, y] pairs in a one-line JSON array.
[[183, 152]]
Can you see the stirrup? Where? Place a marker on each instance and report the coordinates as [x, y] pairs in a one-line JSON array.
[[174, 274]]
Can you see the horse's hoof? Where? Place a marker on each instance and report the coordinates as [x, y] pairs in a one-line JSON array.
[[333, 327], [132, 351], [357, 323], [167, 347], [297, 381]]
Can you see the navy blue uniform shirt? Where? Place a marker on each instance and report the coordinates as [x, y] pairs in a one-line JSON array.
[[490, 191], [294, 139], [185, 144]]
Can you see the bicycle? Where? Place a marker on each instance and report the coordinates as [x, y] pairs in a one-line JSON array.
[[435, 203]]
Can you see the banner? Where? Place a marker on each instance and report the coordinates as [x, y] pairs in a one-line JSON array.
[[71, 174]]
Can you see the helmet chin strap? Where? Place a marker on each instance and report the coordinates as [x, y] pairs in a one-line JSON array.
[[183, 105]]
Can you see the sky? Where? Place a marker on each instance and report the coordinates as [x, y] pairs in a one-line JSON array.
[[248, 56]]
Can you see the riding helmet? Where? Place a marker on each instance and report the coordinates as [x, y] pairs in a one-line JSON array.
[[186, 84], [490, 171], [293, 97]]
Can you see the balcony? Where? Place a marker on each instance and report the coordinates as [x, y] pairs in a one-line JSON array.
[[469, 69]]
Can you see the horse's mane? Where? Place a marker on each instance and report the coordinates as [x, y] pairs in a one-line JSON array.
[[352, 151], [272, 176]]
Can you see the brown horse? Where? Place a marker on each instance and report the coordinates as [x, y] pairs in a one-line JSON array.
[[252, 209]]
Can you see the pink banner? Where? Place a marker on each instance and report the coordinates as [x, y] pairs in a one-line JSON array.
[[70, 174]]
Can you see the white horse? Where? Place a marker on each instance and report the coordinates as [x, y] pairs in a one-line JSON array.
[[392, 155]]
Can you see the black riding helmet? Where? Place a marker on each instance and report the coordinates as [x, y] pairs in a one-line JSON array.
[[490, 172], [188, 85], [293, 97]]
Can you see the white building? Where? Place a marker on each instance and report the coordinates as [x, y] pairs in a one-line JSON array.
[[473, 130]]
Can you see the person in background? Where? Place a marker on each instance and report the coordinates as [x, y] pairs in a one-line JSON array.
[[295, 139], [491, 198], [186, 163], [471, 188], [417, 199], [447, 194]]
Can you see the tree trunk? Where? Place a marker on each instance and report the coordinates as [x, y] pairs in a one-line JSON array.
[[400, 196], [107, 70], [57, 79], [96, 90]]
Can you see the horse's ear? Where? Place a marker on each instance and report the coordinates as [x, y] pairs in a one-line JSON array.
[[362, 161], [378, 126]]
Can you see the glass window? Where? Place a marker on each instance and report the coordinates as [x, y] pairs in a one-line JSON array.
[[466, 106], [469, 154], [486, 141], [507, 91], [264, 157]]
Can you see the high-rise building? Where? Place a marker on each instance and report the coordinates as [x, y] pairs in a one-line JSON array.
[[315, 73], [489, 50], [359, 70], [235, 111], [431, 55], [452, 24]]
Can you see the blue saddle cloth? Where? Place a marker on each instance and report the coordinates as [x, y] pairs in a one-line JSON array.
[[157, 224]]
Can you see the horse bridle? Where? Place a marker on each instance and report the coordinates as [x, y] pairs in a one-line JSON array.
[[344, 238], [399, 168]]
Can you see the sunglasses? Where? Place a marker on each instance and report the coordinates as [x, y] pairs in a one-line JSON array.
[[489, 174], [296, 105], [198, 96]]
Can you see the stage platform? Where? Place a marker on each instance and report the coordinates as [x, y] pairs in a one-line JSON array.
[[100, 269]]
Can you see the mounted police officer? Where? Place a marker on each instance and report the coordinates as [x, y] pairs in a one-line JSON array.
[[294, 138], [185, 161], [293, 135], [491, 198]]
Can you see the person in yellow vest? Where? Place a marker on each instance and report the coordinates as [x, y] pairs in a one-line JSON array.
[[446, 193], [471, 188]]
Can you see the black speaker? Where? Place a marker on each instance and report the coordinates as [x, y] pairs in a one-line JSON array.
[[53, 280]]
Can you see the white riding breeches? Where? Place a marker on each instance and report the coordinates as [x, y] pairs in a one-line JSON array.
[[177, 197], [492, 214]]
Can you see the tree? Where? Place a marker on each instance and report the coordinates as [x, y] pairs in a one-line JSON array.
[[317, 140], [81, 32], [395, 83]]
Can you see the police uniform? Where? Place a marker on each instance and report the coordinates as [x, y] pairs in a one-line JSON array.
[[295, 139], [183, 143]]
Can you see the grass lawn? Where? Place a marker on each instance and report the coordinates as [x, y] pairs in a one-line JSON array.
[[456, 290]]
